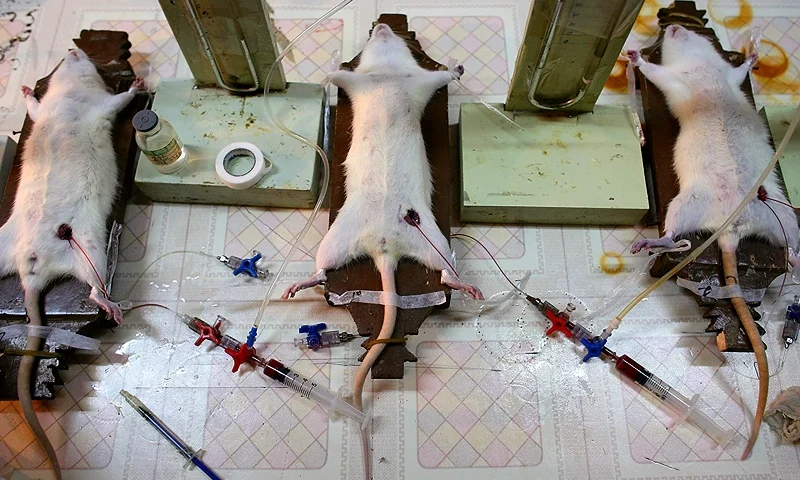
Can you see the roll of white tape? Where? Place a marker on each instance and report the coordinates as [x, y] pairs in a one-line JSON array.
[[241, 165]]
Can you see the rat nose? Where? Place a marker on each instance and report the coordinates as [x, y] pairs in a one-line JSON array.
[[381, 28]]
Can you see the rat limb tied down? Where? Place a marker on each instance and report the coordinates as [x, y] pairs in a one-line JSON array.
[[388, 176], [65, 194], [720, 132]]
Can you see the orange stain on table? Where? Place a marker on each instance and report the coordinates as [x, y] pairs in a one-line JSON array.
[[774, 64], [618, 82], [743, 19], [773, 71], [647, 21], [611, 263]]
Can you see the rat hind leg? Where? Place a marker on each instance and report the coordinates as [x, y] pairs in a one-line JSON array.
[[337, 248], [431, 256], [91, 269], [8, 238], [687, 212]]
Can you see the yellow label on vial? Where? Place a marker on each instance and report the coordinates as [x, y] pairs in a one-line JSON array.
[[165, 156]]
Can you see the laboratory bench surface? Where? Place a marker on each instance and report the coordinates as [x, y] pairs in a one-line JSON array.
[[490, 396]]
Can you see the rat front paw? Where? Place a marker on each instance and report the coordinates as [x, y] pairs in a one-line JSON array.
[[138, 85], [26, 91], [457, 71], [752, 59], [634, 57]]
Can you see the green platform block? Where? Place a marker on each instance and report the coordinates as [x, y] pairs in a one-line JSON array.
[[209, 119], [779, 119], [581, 170]]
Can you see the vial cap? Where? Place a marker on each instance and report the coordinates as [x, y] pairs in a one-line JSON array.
[[145, 120]]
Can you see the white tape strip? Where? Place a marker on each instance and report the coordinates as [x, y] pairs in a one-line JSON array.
[[54, 336], [385, 298], [719, 292], [247, 155]]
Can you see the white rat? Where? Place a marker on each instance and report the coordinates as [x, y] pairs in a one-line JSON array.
[[68, 184], [722, 148], [388, 180]]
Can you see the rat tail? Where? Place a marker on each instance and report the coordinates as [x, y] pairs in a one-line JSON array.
[[34, 311], [728, 243], [386, 267]]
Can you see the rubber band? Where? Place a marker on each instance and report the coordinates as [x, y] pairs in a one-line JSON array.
[[386, 298], [32, 353], [391, 341]]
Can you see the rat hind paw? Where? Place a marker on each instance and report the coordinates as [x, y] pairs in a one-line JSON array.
[[666, 243], [316, 279], [112, 309], [455, 283]]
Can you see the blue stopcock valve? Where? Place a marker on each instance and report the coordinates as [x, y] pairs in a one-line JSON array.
[[315, 337], [247, 266], [594, 347]]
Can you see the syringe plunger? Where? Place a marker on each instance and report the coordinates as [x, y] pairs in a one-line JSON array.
[[684, 407], [310, 389]]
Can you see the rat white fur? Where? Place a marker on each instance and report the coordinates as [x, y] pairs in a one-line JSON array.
[[722, 149], [388, 175], [723, 144], [69, 176]]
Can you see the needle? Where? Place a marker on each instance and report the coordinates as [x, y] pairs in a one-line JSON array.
[[173, 438]]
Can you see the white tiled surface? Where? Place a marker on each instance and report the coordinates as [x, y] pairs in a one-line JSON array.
[[473, 407]]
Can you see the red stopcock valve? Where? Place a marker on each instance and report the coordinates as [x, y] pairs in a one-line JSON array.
[[207, 332], [557, 324], [240, 356]]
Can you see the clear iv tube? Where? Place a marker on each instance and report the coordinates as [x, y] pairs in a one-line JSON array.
[[696, 253], [326, 169]]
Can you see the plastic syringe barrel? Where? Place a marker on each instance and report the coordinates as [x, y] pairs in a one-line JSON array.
[[686, 408], [310, 389]]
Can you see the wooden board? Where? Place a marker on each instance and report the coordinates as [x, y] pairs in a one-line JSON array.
[[66, 302], [412, 278]]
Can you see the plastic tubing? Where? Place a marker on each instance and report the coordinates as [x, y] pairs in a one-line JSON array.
[[696, 253], [326, 169]]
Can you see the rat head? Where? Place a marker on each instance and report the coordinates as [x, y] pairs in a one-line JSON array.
[[385, 52], [681, 45], [78, 68]]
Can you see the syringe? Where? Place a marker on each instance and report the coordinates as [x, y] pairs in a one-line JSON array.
[[308, 389], [273, 369], [686, 408]]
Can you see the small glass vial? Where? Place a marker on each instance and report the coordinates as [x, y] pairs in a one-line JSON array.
[[158, 141]]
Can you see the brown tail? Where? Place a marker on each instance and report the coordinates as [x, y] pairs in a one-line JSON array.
[[729, 266], [24, 381], [386, 268]]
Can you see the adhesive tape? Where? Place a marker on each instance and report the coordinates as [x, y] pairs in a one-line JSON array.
[[241, 165]]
